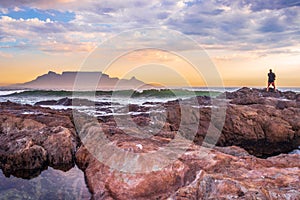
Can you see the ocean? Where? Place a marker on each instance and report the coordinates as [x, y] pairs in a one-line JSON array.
[[116, 99]]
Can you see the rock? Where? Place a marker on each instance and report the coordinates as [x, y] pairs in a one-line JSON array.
[[29, 158], [232, 150], [47, 102], [31, 142], [204, 100], [298, 98], [264, 126], [199, 173], [239, 93], [261, 131], [133, 107], [246, 101], [72, 102], [289, 95], [151, 103], [282, 105], [61, 147], [165, 156], [253, 92]]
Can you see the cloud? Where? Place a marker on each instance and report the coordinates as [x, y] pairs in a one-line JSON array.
[[238, 25], [151, 56], [55, 47], [36, 3], [3, 10], [233, 26], [45, 35], [258, 5], [5, 55]]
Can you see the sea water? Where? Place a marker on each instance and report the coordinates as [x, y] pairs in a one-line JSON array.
[[50, 184], [118, 99]]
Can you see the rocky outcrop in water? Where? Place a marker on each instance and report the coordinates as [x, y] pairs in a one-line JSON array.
[[71, 102], [167, 150], [123, 170], [33, 138], [263, 123]]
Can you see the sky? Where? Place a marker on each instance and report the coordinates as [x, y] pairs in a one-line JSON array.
[[168, 42]]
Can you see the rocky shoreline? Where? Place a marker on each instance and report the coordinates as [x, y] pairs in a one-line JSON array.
[[233, 147]]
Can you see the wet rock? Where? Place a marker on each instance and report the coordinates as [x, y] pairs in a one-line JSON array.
[[137, 108], [47, 102], [31, 142], [204, 100], [151, 103], [263, 131], [199, 173], [298, 98], [73, 102], [104, 110], [168, 155], [61, 147], [29, 157], [66, 102], [247, 100], [264, 126], [254, 92]]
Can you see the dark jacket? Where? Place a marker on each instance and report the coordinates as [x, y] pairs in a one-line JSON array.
[[271, 76]]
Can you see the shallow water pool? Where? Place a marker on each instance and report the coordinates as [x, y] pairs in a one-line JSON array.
[[50, 184]]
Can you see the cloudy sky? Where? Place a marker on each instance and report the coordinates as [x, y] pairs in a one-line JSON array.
[[243, 39]]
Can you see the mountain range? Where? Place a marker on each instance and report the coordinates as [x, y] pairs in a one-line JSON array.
[[72, 80]]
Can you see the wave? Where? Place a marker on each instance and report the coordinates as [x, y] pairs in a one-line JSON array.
[[9, 92], [174, 93], [161, 93]]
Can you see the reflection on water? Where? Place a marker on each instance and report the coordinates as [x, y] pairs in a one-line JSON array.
[[51, 184]]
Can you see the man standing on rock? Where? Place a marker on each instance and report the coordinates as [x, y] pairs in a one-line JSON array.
[[271, 80]]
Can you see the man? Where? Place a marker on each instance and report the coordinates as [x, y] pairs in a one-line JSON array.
[[271, 80]]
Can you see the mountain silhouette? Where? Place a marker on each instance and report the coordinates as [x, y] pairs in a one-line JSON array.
[[72, 80]]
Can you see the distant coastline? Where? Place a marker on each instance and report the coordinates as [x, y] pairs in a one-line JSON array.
[[72, 80]]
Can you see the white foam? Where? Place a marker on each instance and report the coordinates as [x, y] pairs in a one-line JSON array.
[[296, 151], [8, 92], [28, 113]]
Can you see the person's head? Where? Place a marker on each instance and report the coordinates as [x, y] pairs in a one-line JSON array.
[[270, 70]]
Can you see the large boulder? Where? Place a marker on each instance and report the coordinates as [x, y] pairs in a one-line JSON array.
[[32, 138], [61, 147], [264, 123], [199, 173]]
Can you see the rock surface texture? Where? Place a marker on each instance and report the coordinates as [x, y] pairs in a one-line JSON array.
[[200, 173], [263, 123], [33, 138], [259, 124], [230, 147]]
